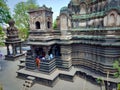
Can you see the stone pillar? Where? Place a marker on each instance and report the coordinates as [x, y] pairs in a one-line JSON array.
[[53, 51], [66, 56], [33, 51], [13, 49], [8, 50], [46, 49], [20, 48]]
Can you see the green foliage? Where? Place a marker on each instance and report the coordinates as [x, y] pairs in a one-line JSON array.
[[4, 18], [4, 12], [1, 36], [1, 87], [23, 33], [1, 32], [116, 66], [22, 18], [100, 81], [118, 86], [55, 25]]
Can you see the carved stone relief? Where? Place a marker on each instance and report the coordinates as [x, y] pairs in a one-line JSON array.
[[112, 19], [83, 8]]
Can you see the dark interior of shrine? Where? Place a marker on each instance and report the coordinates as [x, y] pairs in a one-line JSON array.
[[37, 24], [53, 52]]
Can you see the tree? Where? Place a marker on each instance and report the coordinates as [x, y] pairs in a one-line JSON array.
[[22, 18], [4, 12], [55, 25], [4, 18], [100, 81]]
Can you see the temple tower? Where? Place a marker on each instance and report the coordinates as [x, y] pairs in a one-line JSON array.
[[65, 26], [40, 41], [41, 19]]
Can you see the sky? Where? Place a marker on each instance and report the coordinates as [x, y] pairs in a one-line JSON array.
[[55, 4]]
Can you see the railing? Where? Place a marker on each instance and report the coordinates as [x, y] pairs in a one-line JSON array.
[[94, 29], [47, 60], [43, 31], [86, 16]]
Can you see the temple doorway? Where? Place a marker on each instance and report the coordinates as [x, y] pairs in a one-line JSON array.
[[39, 52], [48, 24], [55, 50]]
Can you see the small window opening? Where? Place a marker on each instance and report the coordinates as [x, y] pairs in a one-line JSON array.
[[37, 24], [48, 24]]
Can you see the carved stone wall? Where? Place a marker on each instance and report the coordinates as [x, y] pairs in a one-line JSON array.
[[44, 18], [112, 19], [83, 8]]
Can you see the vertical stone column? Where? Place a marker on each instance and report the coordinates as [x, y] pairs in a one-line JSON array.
[[30, 58], [33, 51], [13, 49], [46, 49], [8, 50], [66, 56], [20, 48]]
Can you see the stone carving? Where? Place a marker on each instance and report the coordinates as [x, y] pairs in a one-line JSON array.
[[83, 9], [14, 41], [12, 30]]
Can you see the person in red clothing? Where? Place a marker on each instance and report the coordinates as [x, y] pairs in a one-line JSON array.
[[38, 62]]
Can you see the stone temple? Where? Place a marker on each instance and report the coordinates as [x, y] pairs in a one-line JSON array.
[[87, 41]]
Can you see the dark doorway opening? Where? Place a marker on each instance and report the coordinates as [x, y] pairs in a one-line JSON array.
[[48, 24], [39, 52], [37, 24], [55, 50]]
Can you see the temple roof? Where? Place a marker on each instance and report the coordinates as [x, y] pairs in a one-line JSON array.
[[40, 8], [64, 8], [75, 2]]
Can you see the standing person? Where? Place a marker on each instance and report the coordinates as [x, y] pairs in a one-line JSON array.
[[37, 62], [51, 56]]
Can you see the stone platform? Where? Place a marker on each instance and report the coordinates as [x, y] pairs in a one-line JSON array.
[[51, 79], [16, 57], [47, 79]]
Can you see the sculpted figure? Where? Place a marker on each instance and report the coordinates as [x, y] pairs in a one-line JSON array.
[[12, 30]]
